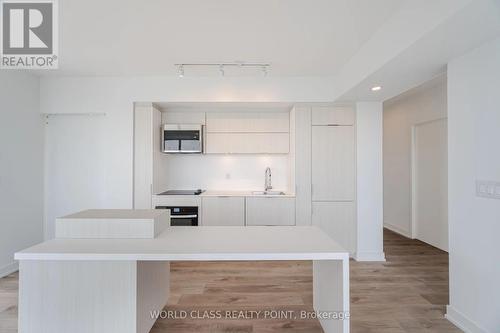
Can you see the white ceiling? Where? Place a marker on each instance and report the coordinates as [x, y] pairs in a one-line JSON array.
[[427, 56], [351, 45], [298, 37]]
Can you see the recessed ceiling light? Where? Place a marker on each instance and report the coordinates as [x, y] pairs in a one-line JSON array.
[[376, 88]]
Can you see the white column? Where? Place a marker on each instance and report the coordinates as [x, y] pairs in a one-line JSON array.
[[369, 134]]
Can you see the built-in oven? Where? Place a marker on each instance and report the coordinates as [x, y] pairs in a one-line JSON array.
[[182, 216], [182, 138]]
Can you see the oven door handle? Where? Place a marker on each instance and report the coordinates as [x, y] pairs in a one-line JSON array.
[[183, 216]]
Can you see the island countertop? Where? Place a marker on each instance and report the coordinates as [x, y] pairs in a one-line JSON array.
[[198, 243]]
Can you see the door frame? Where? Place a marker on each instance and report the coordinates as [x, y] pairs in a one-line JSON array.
[[413, 167]]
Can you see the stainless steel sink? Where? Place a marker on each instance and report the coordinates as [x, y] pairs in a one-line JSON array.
[[268, 193]]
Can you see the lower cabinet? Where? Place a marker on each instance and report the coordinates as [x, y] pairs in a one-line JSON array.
[[337, 220], [223, 211], [270, 211]]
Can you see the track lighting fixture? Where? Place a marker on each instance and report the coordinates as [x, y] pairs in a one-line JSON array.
[[264, 67]]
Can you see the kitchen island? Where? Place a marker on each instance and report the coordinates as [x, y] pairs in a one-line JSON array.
[[112, 285]]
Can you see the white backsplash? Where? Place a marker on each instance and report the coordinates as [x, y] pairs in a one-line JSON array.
[[226, 172]]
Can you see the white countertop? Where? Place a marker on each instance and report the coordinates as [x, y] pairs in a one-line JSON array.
[[198, 243], [223, 193], [121, 214]]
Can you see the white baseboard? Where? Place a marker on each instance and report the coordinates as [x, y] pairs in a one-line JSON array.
[[9, 269], [369, 256], [397, 230], [462, 322]]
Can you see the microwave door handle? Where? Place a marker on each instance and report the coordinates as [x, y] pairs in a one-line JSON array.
[[183, 216]]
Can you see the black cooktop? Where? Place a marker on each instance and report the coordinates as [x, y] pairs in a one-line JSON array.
[[182, 192]]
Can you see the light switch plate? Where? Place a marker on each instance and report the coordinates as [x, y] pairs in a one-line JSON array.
[[488, 189]]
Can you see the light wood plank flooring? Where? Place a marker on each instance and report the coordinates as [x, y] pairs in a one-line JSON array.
[[406, 294]]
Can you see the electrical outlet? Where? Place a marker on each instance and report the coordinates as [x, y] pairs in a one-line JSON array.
[[488, 189]]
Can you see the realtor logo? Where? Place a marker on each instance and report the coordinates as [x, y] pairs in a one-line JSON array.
[[29, 34]]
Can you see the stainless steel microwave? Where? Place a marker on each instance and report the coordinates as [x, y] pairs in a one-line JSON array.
[[182, 138]]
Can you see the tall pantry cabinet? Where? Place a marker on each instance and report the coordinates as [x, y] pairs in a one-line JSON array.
[[149, 161], [326, 172]]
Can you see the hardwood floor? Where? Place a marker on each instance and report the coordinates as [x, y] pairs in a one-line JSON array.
[[8, 303], [406, 294]]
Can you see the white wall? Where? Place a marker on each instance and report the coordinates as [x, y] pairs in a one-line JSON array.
[[424, 103], [21, 166], [75, 176], [226, 172], [369, 183], [474, 222]]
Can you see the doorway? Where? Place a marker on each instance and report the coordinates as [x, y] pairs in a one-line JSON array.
[[430, 183]]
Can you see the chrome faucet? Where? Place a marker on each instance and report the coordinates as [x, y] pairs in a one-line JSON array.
[[267, 183]]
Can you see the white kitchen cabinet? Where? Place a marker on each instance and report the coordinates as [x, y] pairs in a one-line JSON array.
[[333, 115], [223, 211], [270, 211], [148, 159], [302, 164], [177, 201], [183, 118], [247, 133], [337, 219], [247, 122], [247, 143], [333, 163]]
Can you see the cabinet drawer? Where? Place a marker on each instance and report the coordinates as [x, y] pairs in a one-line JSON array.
[[223, 211], [176, 200], [333, 115], [270, 211]]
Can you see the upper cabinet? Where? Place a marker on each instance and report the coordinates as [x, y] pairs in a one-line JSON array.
[[248, 122], [247, 143], [178, 117], [333, 115], [247, 133]]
